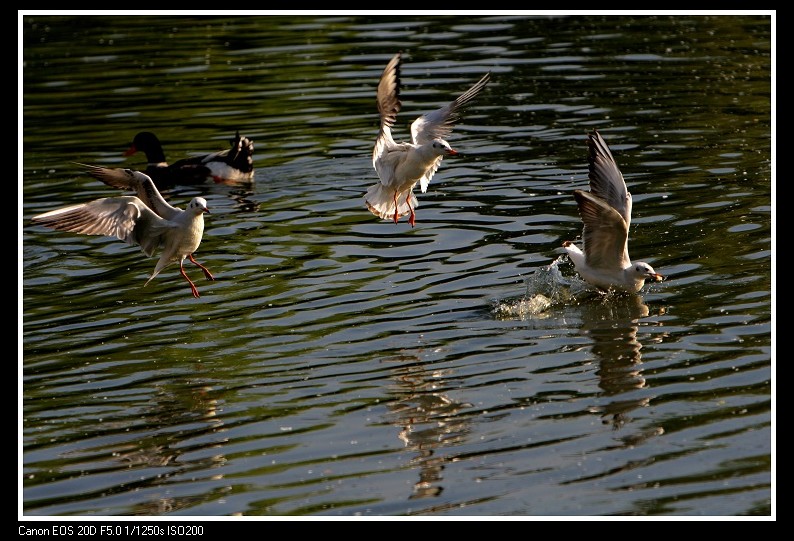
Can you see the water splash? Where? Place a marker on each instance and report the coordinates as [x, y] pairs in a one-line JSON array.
[[545, 288]]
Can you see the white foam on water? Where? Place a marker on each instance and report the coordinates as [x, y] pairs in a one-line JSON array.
[[546, 288]]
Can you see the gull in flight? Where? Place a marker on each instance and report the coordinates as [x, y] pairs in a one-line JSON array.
[[146, 220], [401, 165], [606, 213]]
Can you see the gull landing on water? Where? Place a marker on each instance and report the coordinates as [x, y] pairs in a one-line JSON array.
[[606, 213], [146, 220], [401, 165]]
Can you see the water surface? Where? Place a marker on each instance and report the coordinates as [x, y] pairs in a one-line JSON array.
[[342, 365]]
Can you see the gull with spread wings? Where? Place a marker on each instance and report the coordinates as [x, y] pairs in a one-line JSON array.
[[401, 166], [606, 213], [146, 220]]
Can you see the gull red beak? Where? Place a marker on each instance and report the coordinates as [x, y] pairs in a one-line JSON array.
[[657, 277], [130, 151], [207, 210], [452, 152]]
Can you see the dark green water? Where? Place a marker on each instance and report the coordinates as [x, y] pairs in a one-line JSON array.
[[346, 366]]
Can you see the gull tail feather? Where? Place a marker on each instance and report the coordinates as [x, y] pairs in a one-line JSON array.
[[380, 201]]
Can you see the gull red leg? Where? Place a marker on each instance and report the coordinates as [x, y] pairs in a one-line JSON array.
[[192, 285], [412, 218], [396, 216], [207, 273]]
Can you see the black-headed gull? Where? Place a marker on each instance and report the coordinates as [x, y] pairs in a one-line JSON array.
[[230, 166], [401, 165], [606, 213], [146, 220]]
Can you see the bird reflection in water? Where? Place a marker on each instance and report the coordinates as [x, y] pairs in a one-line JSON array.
[[177, 410], [428, 419], [612, 322], [241, 197]]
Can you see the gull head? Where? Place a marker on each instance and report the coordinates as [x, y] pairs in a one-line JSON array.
[[198, 205], [442, 148], [641, 271]]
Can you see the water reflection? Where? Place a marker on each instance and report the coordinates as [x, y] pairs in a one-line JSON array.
[[305, 274], [175, 434], [612, 322], [427, 418], [180, 412], [242, 198]]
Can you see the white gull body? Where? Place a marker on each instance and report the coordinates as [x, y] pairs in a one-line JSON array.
[[400, 166], [146, 220], [606, 213]]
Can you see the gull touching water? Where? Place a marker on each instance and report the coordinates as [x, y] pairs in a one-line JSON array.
[[606, 213], [146, 220], [401, 165]]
